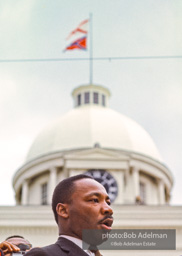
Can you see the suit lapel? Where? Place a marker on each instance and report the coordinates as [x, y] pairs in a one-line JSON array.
[[70, 248]]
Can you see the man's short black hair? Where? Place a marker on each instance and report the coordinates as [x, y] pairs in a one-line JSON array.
[[64, 190], [14, 236]]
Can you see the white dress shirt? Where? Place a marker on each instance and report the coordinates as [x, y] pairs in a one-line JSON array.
[[78, 242]]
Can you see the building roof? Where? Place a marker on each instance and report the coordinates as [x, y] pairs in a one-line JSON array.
[[87, 125]]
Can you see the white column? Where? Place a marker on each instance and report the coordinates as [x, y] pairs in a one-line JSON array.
[[100, 98], [136, 183], [52, 183], [66, 172], [161, 192], [82, 98], [24, 197], [91, 97], [121, 187]]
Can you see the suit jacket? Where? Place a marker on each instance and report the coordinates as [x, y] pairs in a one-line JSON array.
[[63, 247]]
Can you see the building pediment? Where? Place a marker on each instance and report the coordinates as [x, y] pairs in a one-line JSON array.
[[98, 154]]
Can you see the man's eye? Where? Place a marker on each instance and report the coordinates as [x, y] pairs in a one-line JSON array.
[[108, 202], [95, 200]]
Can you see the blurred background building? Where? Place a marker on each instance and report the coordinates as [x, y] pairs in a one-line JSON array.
[[115, 150]]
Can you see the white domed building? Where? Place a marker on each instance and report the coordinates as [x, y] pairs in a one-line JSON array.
[[115, 150], [95, 139]]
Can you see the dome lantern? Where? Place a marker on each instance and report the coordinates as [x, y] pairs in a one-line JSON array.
[[90, 95]]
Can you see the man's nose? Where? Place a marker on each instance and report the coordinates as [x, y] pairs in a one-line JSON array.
[[106, 209]]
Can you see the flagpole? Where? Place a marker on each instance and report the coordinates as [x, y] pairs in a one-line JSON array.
[[91, 50]]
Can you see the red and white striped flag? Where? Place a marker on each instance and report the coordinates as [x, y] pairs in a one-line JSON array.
[[81, 30]]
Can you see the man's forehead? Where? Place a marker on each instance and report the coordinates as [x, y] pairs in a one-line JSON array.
[[87, 182], [89, 186]]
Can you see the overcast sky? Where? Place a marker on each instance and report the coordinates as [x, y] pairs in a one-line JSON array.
[[32, 94]]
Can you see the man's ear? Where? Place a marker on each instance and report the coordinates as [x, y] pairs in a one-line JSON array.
[[62, 210]]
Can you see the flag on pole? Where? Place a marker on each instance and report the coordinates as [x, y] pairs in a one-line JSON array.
[[81, 29], [80, 44], [78, 37]]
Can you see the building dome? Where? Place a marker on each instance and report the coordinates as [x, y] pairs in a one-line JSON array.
[[98, 141], [91, 122]]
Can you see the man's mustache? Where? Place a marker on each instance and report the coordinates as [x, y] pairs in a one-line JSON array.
[[106, 217]]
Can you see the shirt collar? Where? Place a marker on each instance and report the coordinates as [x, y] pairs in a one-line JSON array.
[[78, 242]]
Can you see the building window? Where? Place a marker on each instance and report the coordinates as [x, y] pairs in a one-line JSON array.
[[103, 100], [96, 97], [79, 100], [44, 194], [142, 193], [87, 97]]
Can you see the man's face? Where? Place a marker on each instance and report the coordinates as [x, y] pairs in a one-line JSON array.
[[89, 208]]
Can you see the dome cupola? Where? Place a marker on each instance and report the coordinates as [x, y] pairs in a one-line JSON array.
[[92, 122], [90, 94]]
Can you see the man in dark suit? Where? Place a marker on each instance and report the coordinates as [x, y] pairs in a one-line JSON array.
[[78, 203]]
